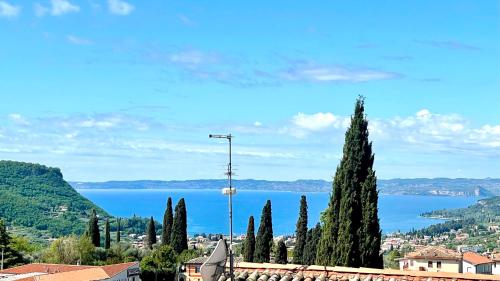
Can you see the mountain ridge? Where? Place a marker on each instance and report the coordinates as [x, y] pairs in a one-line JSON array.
[[417, 186]]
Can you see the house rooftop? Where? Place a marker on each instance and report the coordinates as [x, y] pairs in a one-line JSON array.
[[265, 271], [434, 252], [475, 258], [63, 272]]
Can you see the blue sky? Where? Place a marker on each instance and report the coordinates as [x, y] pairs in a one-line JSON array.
[[121, 90]]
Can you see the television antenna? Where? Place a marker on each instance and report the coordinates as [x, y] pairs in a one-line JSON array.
[[230, 191]]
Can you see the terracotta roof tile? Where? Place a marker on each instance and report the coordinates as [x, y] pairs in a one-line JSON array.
[[43, 268], [61, 272], [88, 274], [114, 269], [434, 252], [475, 258]]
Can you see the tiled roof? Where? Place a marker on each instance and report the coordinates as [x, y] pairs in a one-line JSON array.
[[114, 269], [475, 259], [292, 272], [434, 252], [61, 272], [198, 260], [43, 268], [88, 274]]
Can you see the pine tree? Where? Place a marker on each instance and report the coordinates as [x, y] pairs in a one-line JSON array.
[[281, 253], [93, 229], [347, 240], [118, 231], [11, 257], [151, 234], [370, 234], [312, 241], [249, 245], [107, 240], [300, 232], [264, 240], [179, 228], [166, 231]]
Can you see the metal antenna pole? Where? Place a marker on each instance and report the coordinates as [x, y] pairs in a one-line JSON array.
[[230, 172], [229, 191]]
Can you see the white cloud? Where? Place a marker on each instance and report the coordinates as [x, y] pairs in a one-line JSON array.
[[118, 7], [193, 58], [18, 119], [317, 121], [257, 124], [78, 40], [61, 7], [334, 73], [8, 10], [40, 10]]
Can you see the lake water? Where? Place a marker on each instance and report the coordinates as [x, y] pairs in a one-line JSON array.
[[208, 209]]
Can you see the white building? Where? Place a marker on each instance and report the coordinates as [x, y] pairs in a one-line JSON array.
[[476, 263], [496, 263], [432, 259]]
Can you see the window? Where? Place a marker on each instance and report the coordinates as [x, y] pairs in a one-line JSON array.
[[197, 269], [411, 262], [429, 264], [438, 264]]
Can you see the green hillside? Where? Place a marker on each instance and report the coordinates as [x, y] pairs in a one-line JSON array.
[[485, 210], [37, 200]]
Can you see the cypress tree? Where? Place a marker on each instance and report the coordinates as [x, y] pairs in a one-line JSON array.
[[107, 240], [179, 228], [151, 234], [312, 241], [281, 253], [346, 240], [166, 231], [326, 254], [118, 231], [264, 240], [300, 232], [93, 229], [249, 245], [370, 234], [11, 257]]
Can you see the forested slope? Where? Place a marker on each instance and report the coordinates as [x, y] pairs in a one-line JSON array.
[[37, 197]]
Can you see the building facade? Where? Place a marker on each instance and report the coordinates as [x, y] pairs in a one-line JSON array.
[[432, 259], [476, 263]]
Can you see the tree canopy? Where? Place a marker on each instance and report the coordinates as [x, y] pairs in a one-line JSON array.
[[351, 235]]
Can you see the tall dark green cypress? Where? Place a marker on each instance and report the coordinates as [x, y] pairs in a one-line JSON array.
[[151, 234], [264, 240], [326, 252], [300, 232], [107, 235], [312, 241], [93, 229], [168, 218], [370, 233], [179, 228], [11, 257], [118, 231], [281, 253], [249, 245], [345, 235]]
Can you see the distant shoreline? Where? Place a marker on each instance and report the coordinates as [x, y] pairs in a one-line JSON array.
[[427, 187]]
